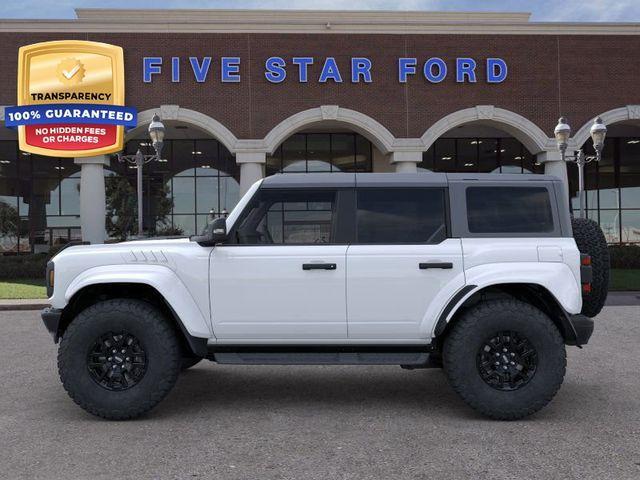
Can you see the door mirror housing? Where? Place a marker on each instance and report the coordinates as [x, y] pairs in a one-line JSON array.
[[216, 232]]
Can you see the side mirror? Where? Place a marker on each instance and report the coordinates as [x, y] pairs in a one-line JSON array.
[[216, 232], [219, 230]]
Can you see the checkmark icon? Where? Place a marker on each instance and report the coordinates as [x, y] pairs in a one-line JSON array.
[[71, 73]]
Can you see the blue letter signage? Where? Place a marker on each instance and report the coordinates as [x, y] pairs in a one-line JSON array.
[[429, 70]]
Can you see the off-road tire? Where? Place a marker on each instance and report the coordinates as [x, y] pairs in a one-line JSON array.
[[155, 334], [590, 240], [188, 362], [468, 336]]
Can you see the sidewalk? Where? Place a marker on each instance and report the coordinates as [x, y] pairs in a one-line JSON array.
[[615, 299], [618, 299]]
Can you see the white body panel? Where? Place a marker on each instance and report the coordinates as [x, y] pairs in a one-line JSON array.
[[177, 268], [388, 295], [553, 263], [262, 292]]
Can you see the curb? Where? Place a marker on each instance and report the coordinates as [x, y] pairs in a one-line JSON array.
[[23, 306]]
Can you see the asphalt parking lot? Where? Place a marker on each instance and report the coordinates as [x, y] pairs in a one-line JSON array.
[[229, 422]]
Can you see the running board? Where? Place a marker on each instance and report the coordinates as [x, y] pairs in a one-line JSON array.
[[416, 357]]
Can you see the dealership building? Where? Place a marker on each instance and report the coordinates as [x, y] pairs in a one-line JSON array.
[[247, 94]]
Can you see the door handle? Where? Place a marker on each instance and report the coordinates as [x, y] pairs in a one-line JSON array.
[[319, 266], [442, 265]]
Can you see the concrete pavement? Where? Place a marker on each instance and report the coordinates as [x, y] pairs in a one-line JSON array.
[[234, 422]]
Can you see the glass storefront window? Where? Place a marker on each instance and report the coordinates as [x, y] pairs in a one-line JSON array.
[[428, 159], [612, 188], [511, 155], [182, 157], [610, 224], [364, 154], [445, 155], [488, 153], [484, 155], [184, 195], [207, 192], [229, 193], [186, 223], [321, 152], [294, 154], [342, 152], [8, 159], [630, 222], [630, 173], [467, 154], [70, 196]]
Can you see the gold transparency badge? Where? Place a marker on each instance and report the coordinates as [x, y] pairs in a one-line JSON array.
[[71, 99]]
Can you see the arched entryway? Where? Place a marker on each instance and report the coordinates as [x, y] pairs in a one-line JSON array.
[[328, 139], [487, 139], [479, 148]]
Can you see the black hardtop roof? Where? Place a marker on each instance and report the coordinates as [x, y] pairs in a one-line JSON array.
[[427, 179]]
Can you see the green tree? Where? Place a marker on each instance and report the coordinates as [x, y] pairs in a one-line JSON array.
[[122, 207], [9, 221]]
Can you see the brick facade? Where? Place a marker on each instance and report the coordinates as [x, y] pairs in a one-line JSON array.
[[574, 75]]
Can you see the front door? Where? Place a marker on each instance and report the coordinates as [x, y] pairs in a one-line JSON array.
[[401, 263], [283, 275]]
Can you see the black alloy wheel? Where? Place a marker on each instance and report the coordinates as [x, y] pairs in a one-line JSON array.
[[117, 361], [507, 361]]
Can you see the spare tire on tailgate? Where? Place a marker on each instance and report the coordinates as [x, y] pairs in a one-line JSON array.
[[590, 240]]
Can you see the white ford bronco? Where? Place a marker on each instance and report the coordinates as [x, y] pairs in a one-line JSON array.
[[478, 274]]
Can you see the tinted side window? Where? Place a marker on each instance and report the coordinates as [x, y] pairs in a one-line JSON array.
[[288, 217], [509, 210], [395, 215]]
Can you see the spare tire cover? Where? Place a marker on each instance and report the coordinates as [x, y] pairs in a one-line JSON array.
[[591, 240]]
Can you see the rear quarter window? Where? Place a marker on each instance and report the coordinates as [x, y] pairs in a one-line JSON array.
[[509, 210]]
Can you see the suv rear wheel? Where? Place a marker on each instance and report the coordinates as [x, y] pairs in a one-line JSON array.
[[505, 358], [119, 358]]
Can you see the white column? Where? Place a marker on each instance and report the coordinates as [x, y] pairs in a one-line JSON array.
[[251, 168], [406, 162], [93, 209], [553, 165]]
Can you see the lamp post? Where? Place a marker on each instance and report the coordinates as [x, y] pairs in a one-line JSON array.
[[156, 133], [598, 132]]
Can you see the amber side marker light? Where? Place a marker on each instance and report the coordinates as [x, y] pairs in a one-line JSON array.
[[51, 278]]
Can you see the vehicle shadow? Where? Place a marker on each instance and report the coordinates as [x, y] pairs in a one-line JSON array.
[[225, 388]]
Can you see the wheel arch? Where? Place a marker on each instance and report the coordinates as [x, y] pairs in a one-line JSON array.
[[532, 293], [97, 292]]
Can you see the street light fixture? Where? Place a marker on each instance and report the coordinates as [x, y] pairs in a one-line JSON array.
[[598, 132], [156, 133]]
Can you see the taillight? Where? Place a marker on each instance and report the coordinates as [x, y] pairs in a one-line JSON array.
[[586, 273]]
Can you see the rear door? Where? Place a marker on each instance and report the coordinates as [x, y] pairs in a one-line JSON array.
[[284, 277], [401, 261]]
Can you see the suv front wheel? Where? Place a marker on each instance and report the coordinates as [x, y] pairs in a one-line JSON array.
[[119, 358], [505, 358]]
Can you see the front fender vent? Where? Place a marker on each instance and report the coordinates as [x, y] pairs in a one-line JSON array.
[[147, 256]]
